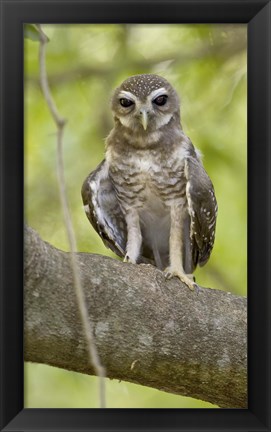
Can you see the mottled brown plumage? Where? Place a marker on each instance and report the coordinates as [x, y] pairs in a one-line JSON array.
[[151, 199]]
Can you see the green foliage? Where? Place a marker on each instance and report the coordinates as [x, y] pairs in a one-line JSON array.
[[49, 387], [207, 66]]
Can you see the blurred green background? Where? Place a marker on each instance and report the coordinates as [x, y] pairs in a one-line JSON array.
[[207, 64]]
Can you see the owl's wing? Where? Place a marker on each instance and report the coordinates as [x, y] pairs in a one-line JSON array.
[[103, 210], [202, 209]]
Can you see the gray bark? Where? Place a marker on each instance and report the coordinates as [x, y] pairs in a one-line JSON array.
[[148, 331]]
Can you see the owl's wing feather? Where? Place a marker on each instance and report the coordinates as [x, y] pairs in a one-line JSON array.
[[103, 210], [202, 208]]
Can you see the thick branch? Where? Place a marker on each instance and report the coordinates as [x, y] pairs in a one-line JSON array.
[[148, 331]]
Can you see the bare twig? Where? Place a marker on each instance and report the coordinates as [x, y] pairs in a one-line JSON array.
[[60, 123]]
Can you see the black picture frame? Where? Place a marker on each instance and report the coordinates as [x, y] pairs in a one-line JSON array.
[[257, 14]]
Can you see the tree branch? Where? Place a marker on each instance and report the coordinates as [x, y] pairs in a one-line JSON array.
[[148, 331]]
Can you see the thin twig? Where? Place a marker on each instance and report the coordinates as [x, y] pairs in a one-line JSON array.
[[60, 124]]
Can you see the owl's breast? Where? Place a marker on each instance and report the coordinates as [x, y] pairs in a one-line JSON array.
[[148, 180]]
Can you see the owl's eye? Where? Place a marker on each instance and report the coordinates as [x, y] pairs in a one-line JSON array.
[[160, 100], [126, 102]]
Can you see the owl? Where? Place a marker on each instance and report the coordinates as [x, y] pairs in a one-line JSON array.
[[150, 199]]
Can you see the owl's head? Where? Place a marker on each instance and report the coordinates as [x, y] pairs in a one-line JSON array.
[[145, 103]]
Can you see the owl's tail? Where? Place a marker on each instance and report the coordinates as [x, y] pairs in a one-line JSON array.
[[155, 234], [156, 254]]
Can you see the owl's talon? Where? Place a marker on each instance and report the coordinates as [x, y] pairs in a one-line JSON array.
[[197, 289], [191, 277], [126, 258], [186, 279]]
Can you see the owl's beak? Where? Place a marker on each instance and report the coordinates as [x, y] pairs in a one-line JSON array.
[[144, 118]]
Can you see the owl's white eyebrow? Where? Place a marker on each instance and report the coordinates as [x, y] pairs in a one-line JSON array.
[[158, 92], [127, 94]]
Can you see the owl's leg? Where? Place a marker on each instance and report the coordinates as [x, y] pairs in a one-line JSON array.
[[134, 237], [175, 249]]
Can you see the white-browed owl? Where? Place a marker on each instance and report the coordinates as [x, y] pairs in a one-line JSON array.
[[150, 199]]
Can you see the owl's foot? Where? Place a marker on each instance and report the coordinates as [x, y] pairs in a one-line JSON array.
[[127, 259], [191, 276], [188, 280]]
